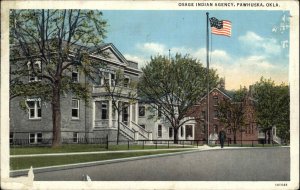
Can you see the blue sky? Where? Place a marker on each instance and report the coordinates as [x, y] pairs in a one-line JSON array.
[[256, 47]]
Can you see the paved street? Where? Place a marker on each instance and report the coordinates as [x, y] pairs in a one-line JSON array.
[[260, 164]]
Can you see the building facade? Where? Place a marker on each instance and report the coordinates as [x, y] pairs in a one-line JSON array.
[[137, 119], [151, 119], [94, 119], [249, 132]]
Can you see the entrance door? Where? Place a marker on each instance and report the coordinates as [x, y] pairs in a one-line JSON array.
[[188, 132], [125, 114]]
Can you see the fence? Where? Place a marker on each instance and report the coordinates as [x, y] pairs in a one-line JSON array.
[[138, 144], [48, 141]]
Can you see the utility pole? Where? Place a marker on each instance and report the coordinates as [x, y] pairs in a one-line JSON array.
[[207, 72]]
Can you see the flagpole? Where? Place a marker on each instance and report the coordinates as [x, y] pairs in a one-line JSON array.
[[207, 72]]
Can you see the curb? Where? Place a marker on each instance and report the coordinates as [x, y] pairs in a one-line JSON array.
[[99, 152], [23, 172]]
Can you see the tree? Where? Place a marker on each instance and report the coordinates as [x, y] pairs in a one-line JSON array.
[[272, 107], [47, 45], [174, 86], [232, 111], [283, 121]]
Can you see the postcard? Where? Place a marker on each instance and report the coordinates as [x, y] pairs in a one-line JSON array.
[[149, 94]]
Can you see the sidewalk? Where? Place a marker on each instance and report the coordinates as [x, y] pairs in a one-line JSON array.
[[23, 172], [98, 152]]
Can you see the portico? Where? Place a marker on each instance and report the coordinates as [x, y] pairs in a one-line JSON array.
[[105, 113]]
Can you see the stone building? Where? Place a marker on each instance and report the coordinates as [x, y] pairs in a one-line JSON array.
[[94, 119]]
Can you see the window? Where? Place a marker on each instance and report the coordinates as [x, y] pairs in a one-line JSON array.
[[216, 100], [75, 137], [159, 111], [216, 128], [170, 132], [229, 114], [181, 131], [75, 75], [104, 110], [75, 108], [126, 82], [188, 131], [203, 115], [106, 81], [101, 110], [216, 114], [125, 110], [203, 128], [11, 138], [229, 131], [247, 129], [99, 80], [143, 126], [113, 80], [159, 131], [141, 111], [35, 138], [34, 108], [35, 71]]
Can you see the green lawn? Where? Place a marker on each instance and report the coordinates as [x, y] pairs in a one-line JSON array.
[[42, 161], [61, 149], [86, 148]]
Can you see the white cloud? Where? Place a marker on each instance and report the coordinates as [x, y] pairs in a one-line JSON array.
[[181, 50], [247, 70], [257, 44], [152, 48], [237, 71]]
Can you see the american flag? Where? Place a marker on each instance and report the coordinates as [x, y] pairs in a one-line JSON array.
[[220, 27]]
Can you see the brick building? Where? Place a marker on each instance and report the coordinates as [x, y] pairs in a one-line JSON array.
[[250, 129]]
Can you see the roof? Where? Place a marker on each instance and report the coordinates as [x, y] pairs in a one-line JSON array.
[[223, 91]]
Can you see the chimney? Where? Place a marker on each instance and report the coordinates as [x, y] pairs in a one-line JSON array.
[[222, 84]]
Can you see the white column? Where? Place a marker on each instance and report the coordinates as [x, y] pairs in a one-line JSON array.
[[93, 114], [193, 132], [120, 107], [184, 138], [116, 115], [136, 112], [133, 112], [130, 114], [110, 113]]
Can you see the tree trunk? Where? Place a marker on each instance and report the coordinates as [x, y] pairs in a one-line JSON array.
[[234, 137], [269, 136], [265, 137], [56, 116], [175, 135], [176, 128]]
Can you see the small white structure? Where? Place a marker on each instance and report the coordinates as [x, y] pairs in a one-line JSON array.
[[153, 121], [213, 137]]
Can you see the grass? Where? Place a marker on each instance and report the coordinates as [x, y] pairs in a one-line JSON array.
[[61, 149], [85, 148], [42, 161]]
